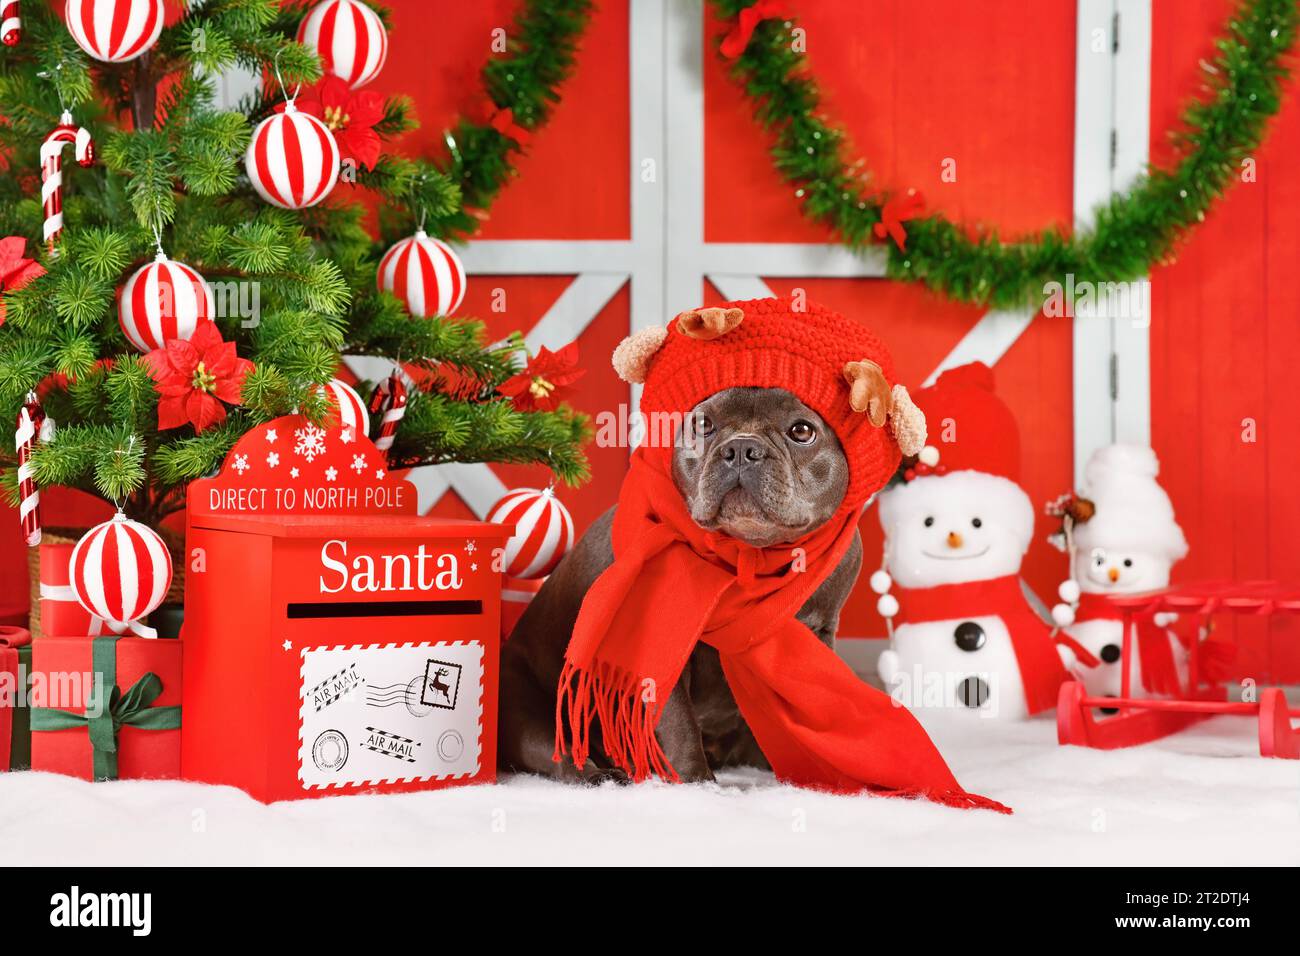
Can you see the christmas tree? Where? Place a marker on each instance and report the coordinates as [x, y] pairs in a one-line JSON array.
[[296, 288]]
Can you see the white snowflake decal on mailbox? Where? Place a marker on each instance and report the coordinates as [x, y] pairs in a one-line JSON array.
[[309, 441]]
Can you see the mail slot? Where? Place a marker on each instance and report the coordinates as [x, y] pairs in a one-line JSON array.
[[344, 645]]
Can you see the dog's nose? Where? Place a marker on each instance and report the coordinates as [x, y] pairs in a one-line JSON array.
[[1113, 574], [954, 539], [741, 452]]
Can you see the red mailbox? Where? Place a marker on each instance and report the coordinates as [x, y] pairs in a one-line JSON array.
[[335, 641]]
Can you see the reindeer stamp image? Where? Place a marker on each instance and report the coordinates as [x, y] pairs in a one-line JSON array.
[[385, 713], [441, 684]]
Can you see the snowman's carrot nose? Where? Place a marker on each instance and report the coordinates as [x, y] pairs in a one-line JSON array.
[[954, 539], [1113, 573]]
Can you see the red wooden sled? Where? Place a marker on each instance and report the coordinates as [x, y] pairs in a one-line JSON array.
[[1140, 720]]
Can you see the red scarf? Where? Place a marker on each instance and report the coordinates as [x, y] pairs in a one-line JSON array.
[[671, 585], [1041, 671], [1159, 672]]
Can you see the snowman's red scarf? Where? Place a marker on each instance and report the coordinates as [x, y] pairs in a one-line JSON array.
[[671, 585], [1041, 671], [1155, 654]]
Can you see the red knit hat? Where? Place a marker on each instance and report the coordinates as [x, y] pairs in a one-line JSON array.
[[835, 366], [969, 426]]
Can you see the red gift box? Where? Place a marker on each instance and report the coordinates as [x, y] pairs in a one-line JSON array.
[[136, 736], [61, 615], [15, 726]]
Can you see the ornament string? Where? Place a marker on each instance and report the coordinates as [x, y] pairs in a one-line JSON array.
[[279, 79]]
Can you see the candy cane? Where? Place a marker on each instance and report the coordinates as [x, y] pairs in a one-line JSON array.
[[11, 23], [393, 414], [31, 420], [52, 171]]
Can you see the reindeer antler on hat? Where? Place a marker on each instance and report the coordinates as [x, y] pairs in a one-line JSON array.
[[836, 366]]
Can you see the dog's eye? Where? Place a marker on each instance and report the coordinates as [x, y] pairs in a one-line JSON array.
[[704, 426], [929, 522], [976, 523], [802, 432]]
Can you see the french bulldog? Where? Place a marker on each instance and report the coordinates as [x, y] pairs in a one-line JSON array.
[[753, 463]]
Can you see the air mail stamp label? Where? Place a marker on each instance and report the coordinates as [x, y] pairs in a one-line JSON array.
[[334, 687], [385, 713]]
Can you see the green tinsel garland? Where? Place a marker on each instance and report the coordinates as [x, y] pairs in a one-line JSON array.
[[1131, 232], [540, 50]]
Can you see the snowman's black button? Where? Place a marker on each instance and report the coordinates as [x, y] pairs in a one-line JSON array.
[[969, 636], [1110, 653], [973, 692]]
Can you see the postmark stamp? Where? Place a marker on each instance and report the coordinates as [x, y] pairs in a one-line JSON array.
[[330, 750]]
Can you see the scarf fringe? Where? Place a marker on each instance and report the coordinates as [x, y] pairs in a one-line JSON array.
[[959, 799], [627, 722]]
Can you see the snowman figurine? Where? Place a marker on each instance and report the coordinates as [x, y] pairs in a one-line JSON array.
[[963, 635], [1125, 541]]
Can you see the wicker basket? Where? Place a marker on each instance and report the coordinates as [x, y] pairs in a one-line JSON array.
[[174, 540]]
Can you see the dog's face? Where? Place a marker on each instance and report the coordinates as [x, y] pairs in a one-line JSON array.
[[759, 465]]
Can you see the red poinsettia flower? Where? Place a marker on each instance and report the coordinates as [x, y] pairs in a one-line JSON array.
[[538, 388], [15, 270], [195, 377], [350, 116]]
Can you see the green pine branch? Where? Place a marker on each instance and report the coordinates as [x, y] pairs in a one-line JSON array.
[[294, 290]]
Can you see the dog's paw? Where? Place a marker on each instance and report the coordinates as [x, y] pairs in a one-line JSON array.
[[599, 776]]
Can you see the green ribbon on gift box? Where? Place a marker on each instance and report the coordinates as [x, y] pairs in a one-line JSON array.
[[133, 708]]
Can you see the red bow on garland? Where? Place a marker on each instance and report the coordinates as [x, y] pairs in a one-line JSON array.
[[897, 210], [735, 42], [503, 121]]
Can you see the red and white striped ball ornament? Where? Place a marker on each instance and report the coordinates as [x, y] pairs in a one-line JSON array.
[[352, 410], [292, 159], [349, 37], [115, 31], [119, 572], [425, 274], [543, 531], [163, 300]]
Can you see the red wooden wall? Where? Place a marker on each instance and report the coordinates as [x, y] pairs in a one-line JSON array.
[[915, 82], [1224, 348]]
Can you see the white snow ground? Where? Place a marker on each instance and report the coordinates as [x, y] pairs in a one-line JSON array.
[[1203, 797]]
